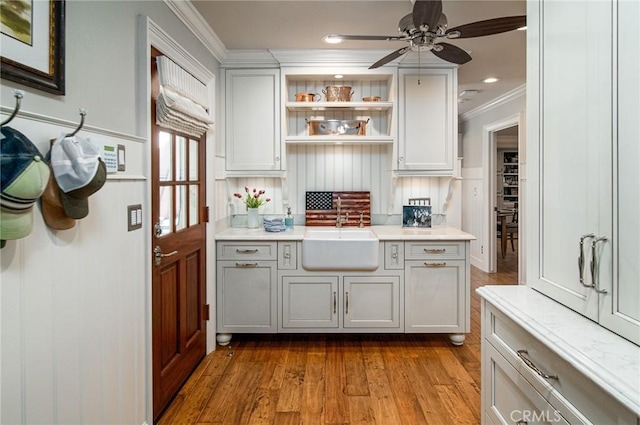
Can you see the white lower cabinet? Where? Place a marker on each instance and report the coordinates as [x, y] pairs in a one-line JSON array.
[[309, 302], [419, 287], [372, 302], [336, 303], [527, 381], [513, 399], [246, 296]]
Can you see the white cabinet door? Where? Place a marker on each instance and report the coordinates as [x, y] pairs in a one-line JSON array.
[[620, 310], [252, 108], [310, 302], [427, 112], [569, 149], [372, 302], [435, 296], [246, 296]]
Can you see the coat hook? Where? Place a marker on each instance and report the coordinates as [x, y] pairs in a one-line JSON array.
[[83, 113], [18, 94]]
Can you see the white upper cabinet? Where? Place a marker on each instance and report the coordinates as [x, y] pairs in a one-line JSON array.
[[252, 121], [427, 111], [583, 155]]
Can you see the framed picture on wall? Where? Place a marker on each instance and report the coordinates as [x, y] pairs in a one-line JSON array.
[[33, 40], [416, 216]]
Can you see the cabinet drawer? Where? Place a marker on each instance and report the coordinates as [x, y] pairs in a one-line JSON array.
[[247, 250], [512, 399], [578, 398], [434, 250]]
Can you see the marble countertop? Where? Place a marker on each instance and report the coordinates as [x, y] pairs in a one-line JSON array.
[[610, 361], [382, 232]]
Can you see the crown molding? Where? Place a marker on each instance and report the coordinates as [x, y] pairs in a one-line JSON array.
[[498, 101], [249, 58], [193, 20]]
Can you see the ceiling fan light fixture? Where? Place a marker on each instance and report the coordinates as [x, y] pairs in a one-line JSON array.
[[333, 39], [491, 80]]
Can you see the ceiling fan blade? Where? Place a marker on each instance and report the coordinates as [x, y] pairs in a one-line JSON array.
[[452, 53], [489, 27], [365, 37], [391, 56], [427, 12]]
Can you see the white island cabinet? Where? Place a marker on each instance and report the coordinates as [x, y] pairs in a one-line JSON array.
[[583, 151], [420, 286], [544, 363]]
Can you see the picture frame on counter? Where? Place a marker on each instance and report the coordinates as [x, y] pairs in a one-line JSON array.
[[416, 216], [33, 44]]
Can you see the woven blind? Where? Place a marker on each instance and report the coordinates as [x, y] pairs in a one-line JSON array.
[[182, 102]]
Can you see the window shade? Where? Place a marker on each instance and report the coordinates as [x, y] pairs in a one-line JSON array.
[[182, 102]]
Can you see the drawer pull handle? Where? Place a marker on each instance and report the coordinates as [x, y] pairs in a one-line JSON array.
[[246, 265], [287, 255], [532, 366], [335, 303], [435, 250], [247, 251], [435, 264], [581, 259], [347, 304], [594, 266]]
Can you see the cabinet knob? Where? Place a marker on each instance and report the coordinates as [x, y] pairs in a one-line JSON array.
[[277, 158]]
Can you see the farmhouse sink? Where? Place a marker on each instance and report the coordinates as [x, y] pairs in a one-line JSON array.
[[340, 249]]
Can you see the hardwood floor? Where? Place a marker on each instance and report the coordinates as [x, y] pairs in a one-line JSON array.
[[341, 379]]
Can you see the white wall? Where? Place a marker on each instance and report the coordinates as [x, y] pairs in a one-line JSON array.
[[475, 182], [74, 306]]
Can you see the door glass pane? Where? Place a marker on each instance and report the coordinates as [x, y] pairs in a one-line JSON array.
[[166, 209], [165, 157], [193, 204], [181, 158], [193, 160], [181, 207]]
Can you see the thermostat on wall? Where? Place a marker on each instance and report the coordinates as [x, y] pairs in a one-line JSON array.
[[109, 154]]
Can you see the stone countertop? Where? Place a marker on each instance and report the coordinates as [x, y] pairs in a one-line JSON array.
[[610, 361], [384, 233]]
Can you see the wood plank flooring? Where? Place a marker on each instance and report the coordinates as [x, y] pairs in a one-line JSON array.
[[360, 379]]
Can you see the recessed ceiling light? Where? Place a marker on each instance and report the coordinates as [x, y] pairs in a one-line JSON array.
[[338, 76], [332, 39], [522, 28], [490, 80]]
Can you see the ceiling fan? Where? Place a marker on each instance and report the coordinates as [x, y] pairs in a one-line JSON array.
[[427, 24]]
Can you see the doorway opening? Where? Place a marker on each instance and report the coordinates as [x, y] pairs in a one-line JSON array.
[[507, 197], [504, 196]]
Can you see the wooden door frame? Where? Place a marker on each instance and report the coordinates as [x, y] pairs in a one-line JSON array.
[[151, 35]]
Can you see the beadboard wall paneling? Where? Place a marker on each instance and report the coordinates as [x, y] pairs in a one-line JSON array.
[[345, 168], [73, 306]]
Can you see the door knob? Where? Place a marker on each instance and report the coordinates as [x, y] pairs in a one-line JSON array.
[[157, 252]]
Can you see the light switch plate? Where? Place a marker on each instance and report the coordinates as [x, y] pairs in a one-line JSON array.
[[134, 217], [121, 158]]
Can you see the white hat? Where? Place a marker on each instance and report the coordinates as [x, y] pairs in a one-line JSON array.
[[74, 161]]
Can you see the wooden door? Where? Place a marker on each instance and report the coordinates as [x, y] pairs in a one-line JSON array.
[[179, 312]]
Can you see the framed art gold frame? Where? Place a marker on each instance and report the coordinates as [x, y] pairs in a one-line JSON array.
[[33, 42]]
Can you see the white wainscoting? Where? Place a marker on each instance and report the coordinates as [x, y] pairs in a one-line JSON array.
[[472, 218], [73, 302]]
